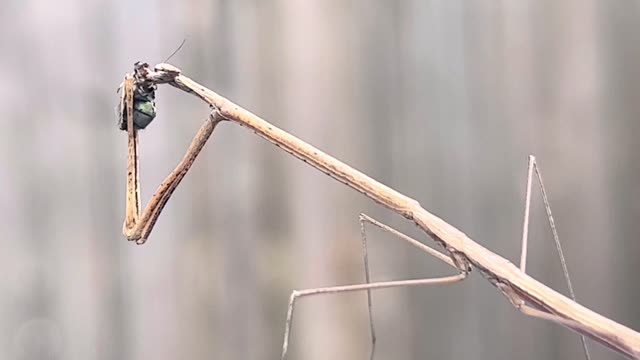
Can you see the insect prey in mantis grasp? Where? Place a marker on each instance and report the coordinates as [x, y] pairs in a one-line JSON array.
[[143, 95]]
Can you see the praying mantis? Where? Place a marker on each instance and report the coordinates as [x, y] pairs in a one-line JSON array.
[[459, 251]]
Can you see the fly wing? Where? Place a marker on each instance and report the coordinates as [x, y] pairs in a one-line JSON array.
[[120, 108]]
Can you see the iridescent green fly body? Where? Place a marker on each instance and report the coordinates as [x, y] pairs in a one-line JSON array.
[[144, 104]]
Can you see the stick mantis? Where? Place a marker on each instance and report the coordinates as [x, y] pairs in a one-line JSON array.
[[524, 292]]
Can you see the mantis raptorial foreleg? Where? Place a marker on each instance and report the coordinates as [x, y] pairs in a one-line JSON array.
[[138, 225], [368, 285]]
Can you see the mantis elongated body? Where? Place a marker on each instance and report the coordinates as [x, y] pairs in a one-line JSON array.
[[524, 292]]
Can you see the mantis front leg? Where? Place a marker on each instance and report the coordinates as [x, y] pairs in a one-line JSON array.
[[138, 225]]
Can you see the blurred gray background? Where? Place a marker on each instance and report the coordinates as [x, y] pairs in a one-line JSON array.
[[442, 100]]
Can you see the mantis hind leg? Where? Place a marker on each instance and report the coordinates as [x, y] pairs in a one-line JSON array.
[[532, 167]]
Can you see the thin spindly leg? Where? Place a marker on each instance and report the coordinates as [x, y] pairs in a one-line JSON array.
[[368, 286], [364, 219], [137, 226], [516, 300]]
